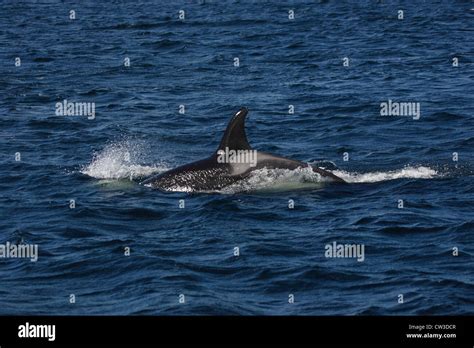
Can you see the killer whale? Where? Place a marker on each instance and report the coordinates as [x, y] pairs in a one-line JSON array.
[[215, 172]]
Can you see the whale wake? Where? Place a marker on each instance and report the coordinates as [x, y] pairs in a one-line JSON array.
[[125, 161]]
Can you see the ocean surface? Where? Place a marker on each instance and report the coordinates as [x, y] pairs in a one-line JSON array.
[[70, 183]]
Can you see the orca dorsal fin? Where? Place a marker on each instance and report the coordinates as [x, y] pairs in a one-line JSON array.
[[234, 136]]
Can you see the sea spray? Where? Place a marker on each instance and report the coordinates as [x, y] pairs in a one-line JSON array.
[[121, 160]]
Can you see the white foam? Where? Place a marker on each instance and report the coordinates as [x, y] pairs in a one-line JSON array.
[[408, 172], [120, 161]]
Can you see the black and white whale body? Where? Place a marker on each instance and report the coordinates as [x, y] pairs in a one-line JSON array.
[[233, 161]]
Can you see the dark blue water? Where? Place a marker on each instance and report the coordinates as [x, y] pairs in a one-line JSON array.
[[138, 131]]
